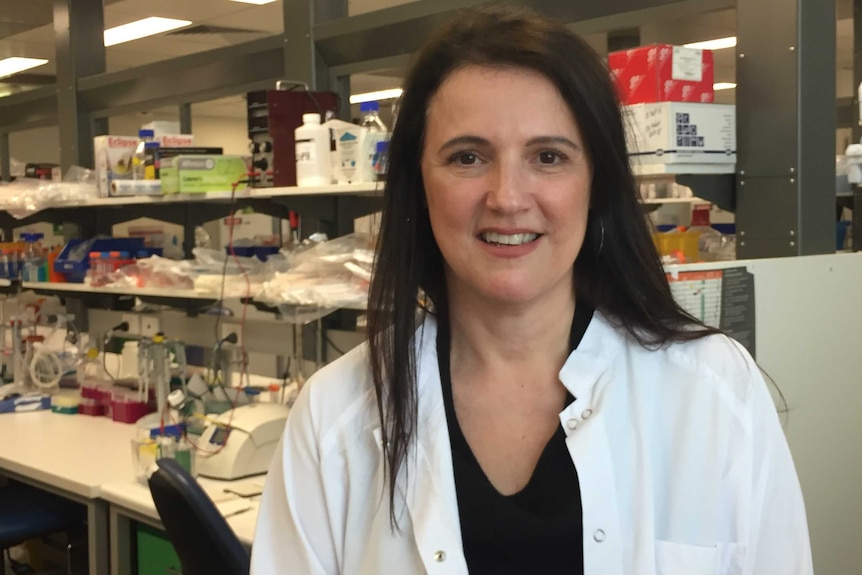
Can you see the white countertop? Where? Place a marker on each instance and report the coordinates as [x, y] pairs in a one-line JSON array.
[[75, 453], [92, 457], [135, 497]]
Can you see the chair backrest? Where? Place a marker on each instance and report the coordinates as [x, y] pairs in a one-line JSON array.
[[200, 535]]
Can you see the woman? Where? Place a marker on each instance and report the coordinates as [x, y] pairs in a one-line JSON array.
[[549, 409]]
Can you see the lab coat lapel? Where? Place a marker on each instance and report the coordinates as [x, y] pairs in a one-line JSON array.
[[428, 484], [589, 448]]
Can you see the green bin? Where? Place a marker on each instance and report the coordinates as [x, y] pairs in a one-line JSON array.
[[156, 555]]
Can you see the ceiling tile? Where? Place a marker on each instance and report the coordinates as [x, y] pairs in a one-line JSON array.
[[194, 10]]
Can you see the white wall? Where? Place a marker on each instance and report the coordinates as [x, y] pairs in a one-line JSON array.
[[42, 144], [39, 145]]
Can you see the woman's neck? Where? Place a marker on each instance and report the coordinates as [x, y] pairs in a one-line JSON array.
[[488, 336]]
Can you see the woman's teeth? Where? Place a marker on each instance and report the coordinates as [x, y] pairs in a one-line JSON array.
[[508, 240]]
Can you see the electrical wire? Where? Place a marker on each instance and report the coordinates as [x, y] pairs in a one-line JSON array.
[[313, 325], [218, 338]]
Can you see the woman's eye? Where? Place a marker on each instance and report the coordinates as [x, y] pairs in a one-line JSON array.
[[549, 157], [465, 159]]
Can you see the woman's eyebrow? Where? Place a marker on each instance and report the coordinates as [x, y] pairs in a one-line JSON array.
[[553, 140], [464, 140]]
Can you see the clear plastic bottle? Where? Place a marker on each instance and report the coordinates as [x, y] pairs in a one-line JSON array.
[[5, 264], [139, 159], [375, 131], [33, 267]]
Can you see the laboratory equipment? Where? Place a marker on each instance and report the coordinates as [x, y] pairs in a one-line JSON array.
[[155, 357], [273, 115], [242, 441]]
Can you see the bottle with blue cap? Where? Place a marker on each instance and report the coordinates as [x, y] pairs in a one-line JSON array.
[[139, 159], [375, 131]]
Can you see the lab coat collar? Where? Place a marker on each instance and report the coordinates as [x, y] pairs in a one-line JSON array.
[[430, 486], [601, 343]]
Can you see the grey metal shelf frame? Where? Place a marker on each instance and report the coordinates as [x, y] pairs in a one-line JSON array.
[[783, 190]]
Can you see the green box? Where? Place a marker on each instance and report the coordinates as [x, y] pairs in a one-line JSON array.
[[156, 555], [201, 174]]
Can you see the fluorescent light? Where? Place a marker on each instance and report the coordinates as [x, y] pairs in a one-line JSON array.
[[141, 29], [374, 96], [11, 66], [256, 2], [717, 44], [724, 86]]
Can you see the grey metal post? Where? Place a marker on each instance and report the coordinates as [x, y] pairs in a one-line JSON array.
[[857, 67], [302, 62], [341, 86], [299, 62], [785, 127], [5, 158], [185, 118], [78, 32]]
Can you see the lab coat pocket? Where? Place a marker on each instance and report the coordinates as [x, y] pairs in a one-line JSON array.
[[681, 559]]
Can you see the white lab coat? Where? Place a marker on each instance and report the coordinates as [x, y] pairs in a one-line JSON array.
[[683, 468]]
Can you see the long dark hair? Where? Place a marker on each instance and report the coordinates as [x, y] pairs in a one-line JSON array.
[[618, 270]]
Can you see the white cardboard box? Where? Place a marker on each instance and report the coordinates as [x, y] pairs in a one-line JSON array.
[[162, 127], [681, 132], [175, 140], [113, 160]]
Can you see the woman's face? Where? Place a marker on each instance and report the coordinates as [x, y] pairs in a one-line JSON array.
[[507, 183]]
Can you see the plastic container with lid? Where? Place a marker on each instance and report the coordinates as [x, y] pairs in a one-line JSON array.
[[708, 239], [100, 268], [313, 163], [34, 266]]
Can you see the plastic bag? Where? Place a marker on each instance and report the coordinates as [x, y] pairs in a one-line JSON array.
[[332, 274], [26, 196], [155, 272]]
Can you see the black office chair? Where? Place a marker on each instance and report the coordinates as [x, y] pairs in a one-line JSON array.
[[29, 513], [203, 540]]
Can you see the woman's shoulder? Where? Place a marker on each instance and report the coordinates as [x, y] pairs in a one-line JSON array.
[[341, 393], [716, 358]]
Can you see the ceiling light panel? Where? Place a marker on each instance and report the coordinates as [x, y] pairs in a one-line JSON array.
[[374, 96], [142, 29], [724, 86], [10, 66], [717, 44]]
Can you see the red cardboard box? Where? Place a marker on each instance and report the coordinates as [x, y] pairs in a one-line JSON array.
[[663, 73]]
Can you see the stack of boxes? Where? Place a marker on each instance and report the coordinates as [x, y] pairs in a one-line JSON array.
[[674, 126], [180, 167]]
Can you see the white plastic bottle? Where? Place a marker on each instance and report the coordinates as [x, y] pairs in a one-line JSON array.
[[375, 131], [313, 165]]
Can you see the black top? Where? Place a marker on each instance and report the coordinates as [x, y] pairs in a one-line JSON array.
[[540, 528]]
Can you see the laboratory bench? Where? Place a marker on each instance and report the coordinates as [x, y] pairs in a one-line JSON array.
[[89, 460]]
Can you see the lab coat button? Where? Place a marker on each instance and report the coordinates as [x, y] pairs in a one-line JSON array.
[[598, 535], [440, 556], [572, 423], [587, 413]]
